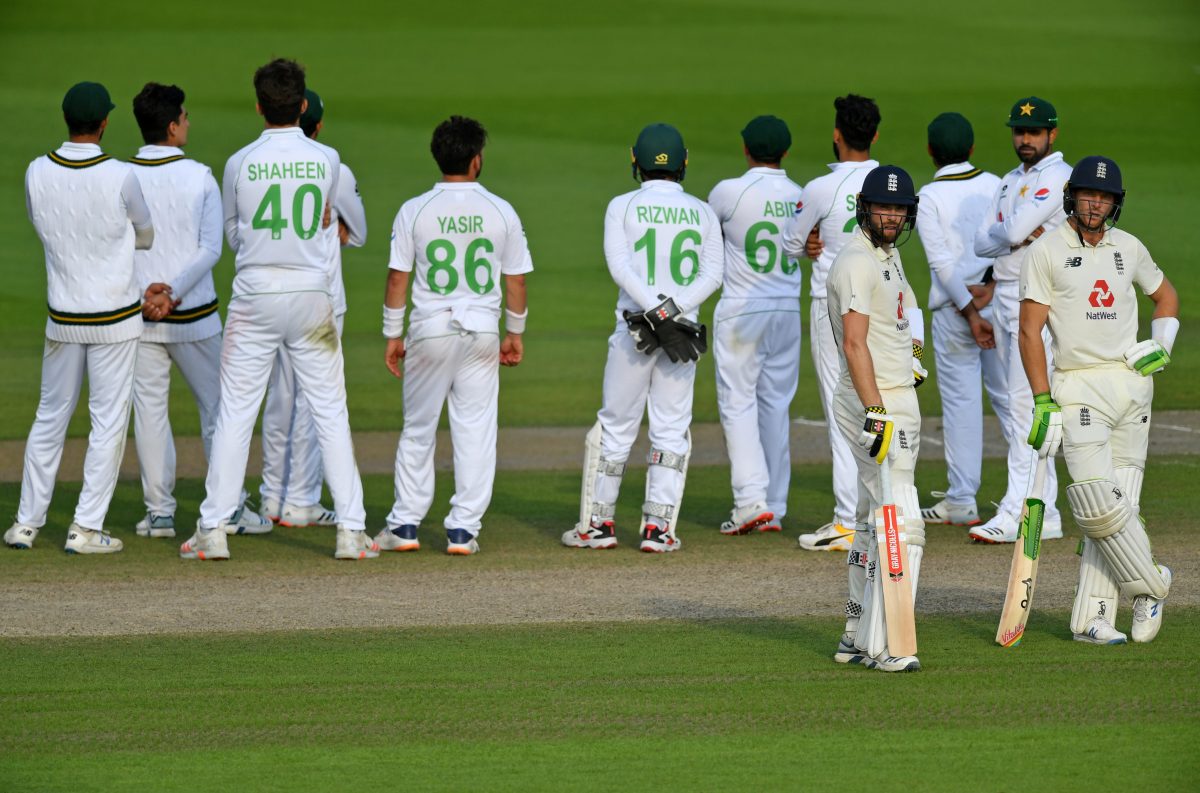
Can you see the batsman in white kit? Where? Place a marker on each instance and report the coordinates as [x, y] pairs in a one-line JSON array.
[[756, 328], [1079, 281], [89, 213], [1025, 206], [180, 314], [276, 196], [878, 329], [663, 248], [457, 246], [827, 210], [291, 471]]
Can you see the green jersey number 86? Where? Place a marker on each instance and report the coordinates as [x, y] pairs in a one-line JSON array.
[[442, 276]]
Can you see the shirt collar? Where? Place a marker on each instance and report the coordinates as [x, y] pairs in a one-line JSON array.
[[457, 186], [79, 151], [153, 152], [838, 166], [283, 131], [662, 184], [953, 168], [762, 169], [1073, 240], [880, 253], [1050, 159]]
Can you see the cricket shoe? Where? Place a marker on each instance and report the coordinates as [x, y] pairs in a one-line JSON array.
[[1002, 528], [774, 524], [599, 535], [1148, 613], [830, 537], [302, 517], [270, 509], [353, 544], [156, 526], [1100, 631], [20, 536], [460, 542], [81, 540], [744, 520], [207, 545], [847, 653], [247, 521], [401, 538], [1052, 528], [946, 514], [656, 540], [892, 663]]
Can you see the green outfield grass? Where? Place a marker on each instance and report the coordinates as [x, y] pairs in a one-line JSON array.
[[564, 91]]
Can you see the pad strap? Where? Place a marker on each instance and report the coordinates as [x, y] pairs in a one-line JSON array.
[[667, 459], [656, 510]]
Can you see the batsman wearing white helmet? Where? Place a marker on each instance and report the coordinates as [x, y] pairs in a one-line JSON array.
[[89, 213], [663, 249], [277, 192], [1079, 280], [1025, 207], [826, 221], [291, 471], [180, 314], [952, 207], [459, 246], [756, 328], [878, 330]]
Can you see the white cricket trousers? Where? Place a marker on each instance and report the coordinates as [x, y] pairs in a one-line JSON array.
[[200, 364], [829, 369], [1106, 420], [462, 370], [961, 365], [256, 327], [901, 404], [1006, 325], [109, 369], [291, 466], [634, 384], [756, 344]]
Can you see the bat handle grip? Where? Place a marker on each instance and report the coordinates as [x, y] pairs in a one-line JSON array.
[[885, 480]]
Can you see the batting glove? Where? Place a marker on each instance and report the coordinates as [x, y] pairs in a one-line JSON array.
[[876, 436], [1046, 433], [1147, 357]]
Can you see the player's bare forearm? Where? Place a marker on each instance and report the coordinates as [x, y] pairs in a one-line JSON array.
[[1029, 340], [858, 358], [397, 288], [1166, 300], [514, 293]]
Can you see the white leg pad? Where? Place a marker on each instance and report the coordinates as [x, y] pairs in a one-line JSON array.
[[1098, 593], [668, 513], [1129, 479], [593, 466], [1104, 515], [909, 504], [856, 566], [872, 630]]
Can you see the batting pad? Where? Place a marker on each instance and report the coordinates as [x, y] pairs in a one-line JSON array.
[[872, 630], [1098, 593], [1129, 479], [1103, 513], [914, 530], [856, 568], [593, 466], [669, 513]]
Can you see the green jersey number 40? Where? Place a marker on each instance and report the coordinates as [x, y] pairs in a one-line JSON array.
[[269, 214], [442, 276]]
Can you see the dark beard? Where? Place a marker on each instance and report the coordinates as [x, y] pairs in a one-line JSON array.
[[837, 155]]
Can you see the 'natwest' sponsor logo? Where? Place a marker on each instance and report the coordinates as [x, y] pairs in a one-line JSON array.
[[1101, 297]]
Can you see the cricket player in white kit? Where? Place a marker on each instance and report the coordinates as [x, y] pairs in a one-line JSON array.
[[457, 246], [828, 207], [291, 471], [276, 196], [663, 249], [1025, 207], [756, 328], [952, 207], [877, 327], [1079, 280], [180, 314], [89, 213]]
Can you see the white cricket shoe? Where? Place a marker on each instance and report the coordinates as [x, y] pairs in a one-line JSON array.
[[744, 520], [1000, 529], [1148, 613], [774, 524], [891, 663], [600, 536], [20, 536], [207, 545], [270, 509], [1052, 528], [1100, 631], [353, 544], [81, 540], [460, 542], [830, 537], [656, 540], [402, 538], [300, 517], [156, 526], [847, 653], [247, 521], [944, 513]]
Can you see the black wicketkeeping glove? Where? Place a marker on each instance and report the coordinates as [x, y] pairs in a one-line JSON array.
[[642, 333]]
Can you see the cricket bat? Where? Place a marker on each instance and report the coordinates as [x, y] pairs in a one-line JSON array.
[[892, 571], [1022, 576]]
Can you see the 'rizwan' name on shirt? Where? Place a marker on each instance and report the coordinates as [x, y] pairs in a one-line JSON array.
[[285, 170], [677, 215]]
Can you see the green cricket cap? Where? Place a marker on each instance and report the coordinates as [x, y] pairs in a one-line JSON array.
[[767, 138], [951, 137], [660, 147], [314, 112], [1033, 112], [86, 102]]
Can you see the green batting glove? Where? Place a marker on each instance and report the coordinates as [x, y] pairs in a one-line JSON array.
[[1147, 357], [1046, 432]]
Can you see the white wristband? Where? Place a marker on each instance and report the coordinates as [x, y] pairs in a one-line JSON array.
[[514, 322], [916, 324], [1163, 330], [393, 322]]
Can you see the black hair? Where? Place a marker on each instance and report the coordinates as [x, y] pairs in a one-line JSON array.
[[155, 108], [456, 142], [308, 127], [659, 173], [279, 87], [857, 119], [76, 128], [767, 160]]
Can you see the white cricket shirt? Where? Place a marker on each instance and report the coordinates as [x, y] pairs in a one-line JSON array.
[[952, 208], [1025, 200], [752, 210], [348, 207]]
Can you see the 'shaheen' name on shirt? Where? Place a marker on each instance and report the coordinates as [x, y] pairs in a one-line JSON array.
[[285, 170]]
